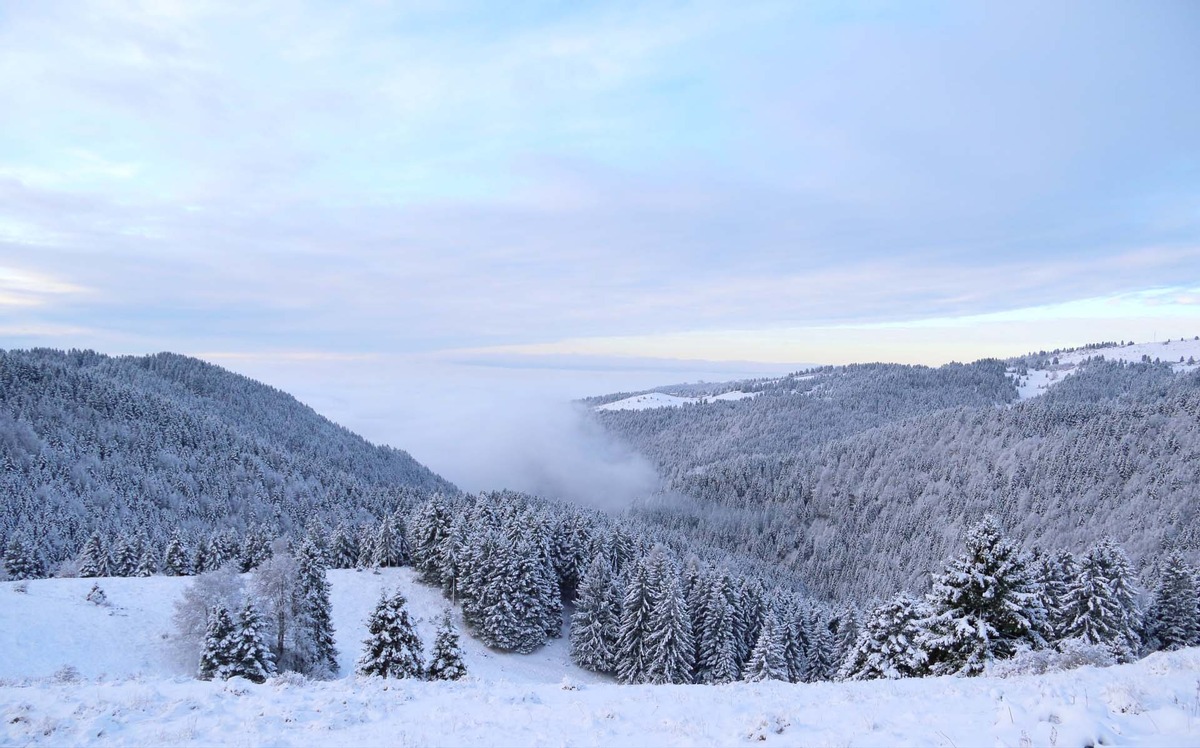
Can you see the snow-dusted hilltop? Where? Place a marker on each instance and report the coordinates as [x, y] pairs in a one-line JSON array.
[[1045, 370], [664, 400]]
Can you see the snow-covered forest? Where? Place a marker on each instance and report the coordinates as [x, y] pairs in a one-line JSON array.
[[873, 522]]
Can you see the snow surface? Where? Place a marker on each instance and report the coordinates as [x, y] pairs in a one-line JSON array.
[[127, 694], [663, 400], [1169, 351]]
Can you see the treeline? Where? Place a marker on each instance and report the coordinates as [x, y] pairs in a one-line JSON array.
[[996, 602]]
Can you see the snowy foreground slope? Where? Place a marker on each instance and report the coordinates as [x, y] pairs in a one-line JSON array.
[[128, 694]]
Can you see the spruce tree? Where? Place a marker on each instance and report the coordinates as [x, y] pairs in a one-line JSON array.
[[767, 659], [1055, 573], [446, 662], [315, 651], [343, 548], [251, 654], [392, 649], [636, 608], [386, 550], [821, 654], [1101, 603], [670, 651], [93, 561], [428, 532], [124, 558], [1174, 621], [20, 560], [175, 560], [717, 631], [217, 658], [147, 564], [887, 646], [597, 619], [985, 605]]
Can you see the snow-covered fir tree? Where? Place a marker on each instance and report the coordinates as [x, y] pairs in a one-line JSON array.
[[984, 606], [887, 646], [1101, 602], [717, 630], [1055, 573], [218, 655], [1174, 621], [388, 548], [636, 609], [124, 557], [392, 648], [175, 560], [820, 661], [429, 530], [251, 654], [446, 662], [20, 559], [669, 649], [767, 659], [597, 618], [314, 652], [343, 548], [93, 560]]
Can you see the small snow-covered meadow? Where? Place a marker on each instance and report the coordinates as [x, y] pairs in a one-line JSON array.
[[75, 673]]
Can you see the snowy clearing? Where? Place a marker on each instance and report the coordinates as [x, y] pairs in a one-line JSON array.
[[127, 694], [663, 400], [1170, 351]]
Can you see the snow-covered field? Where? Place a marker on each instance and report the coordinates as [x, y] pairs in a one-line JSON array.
[[126, 692], [663, 400]]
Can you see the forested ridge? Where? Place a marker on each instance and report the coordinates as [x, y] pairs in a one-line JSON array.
[[168, 444], [862, 489]]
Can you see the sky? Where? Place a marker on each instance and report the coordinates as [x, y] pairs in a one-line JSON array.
[[394, 209]]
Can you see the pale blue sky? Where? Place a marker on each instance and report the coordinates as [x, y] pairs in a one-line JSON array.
[[406, 188]]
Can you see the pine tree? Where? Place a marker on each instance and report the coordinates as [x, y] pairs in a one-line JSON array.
[[887, 646], [251, 654], [314, 647], [93, 561], [343, 548], [794, 642], [1174, 621], [392, 649], [20, 560], [767, 660], [1101, 603], [386, 550], [717, 632], [256, 549], [636, 608], [821, 654], [124, 559], [447, 660], [429, 531], [1055, 573], [670, 651], [147, 565], [984, 606], [597, 618], [175, 560], [217, 658]]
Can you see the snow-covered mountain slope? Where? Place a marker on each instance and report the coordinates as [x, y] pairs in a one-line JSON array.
[[52, 626], [537, 699], [649, 400], [1183, 355]]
